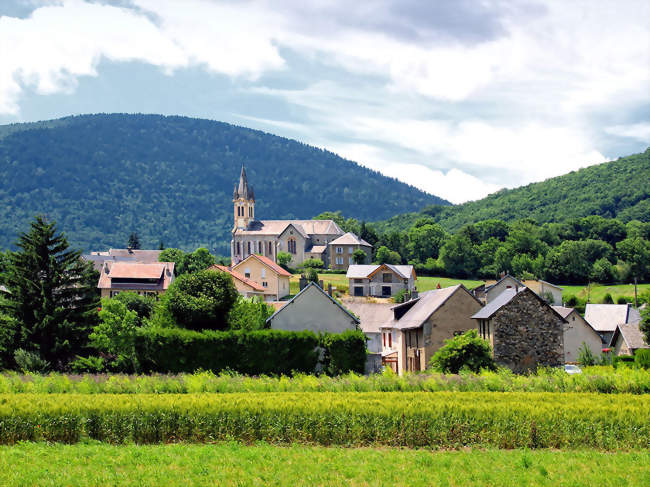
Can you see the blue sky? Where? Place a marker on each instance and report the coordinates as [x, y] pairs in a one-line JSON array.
[[457, 97]]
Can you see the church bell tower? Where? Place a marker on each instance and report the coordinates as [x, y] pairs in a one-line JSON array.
[[244, 202]]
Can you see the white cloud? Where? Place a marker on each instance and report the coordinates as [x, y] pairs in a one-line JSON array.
[[639, 131]]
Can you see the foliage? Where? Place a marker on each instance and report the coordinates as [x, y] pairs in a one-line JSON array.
[[400, 296], [585, 356], [311, 275], [116, 334], [345, 352], [283, 259], [396, 419], [607, 299], [173, 178], [642, 358], [359, 256], [644, 325], [463, 351], [189, 262], [90, 364], [201, 300], [51, 295], [143, 306], [315, 263], [134, 241], [30, 361], [386, 256], [249, 314]]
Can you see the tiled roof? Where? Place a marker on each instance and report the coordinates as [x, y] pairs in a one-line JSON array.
[[276, 227], [371, 315], [605, 317], [133, 270], [631, 334], [349, 239], [238, 276], [358, 271], [162, 272], [266, 261]]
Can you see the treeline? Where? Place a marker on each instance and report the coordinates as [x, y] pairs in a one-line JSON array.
[[593, 248], [51, 318]]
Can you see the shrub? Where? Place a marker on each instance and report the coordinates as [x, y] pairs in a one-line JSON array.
[[91, 364], [30, 361], [345, 352], [116, 334], [311, 275], [400, 296], [201, 300], [466, 350], [585, 356], [607, 299], [315, 263], [622, 300], [142, 305], [283, 259], [642, 358], [249, 314], [571, 301]]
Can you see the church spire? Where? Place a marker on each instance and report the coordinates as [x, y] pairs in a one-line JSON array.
[[243, 191]]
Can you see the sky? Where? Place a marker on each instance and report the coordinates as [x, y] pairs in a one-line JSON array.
[[457, 97]]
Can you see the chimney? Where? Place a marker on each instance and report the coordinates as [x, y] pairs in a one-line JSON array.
[[414, 294], [329, 288], [320, 283], [302, 282]]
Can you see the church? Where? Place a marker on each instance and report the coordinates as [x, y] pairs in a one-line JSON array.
[[303, 239]]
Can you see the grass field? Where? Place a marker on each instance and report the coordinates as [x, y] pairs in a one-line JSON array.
[[40, 464], [596, 292]]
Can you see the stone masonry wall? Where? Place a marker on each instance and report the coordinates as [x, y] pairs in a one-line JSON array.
[[527, 334]]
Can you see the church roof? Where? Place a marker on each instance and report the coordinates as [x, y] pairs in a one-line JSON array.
[[276, 227], [243, 190]]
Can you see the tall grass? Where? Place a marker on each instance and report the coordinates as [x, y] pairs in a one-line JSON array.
[[602, 379], [412, 419]]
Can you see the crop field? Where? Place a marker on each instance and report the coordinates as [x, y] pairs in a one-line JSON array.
[[231, 463], [603, 379], [396, 419]]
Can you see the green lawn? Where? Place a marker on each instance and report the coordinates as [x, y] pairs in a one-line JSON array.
[[597, 292], [40, 464]]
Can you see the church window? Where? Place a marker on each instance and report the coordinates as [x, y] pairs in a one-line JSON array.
[[249, 248], [291, 243], [238, 249], [259, 248], [271, 249]]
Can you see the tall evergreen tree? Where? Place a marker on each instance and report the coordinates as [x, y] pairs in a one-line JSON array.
[[134, 241], [51, 296]]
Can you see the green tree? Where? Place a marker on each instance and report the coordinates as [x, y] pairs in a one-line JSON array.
[[201, 300], [636, 252], [134, 241], [316, 263], [368, 233], [142, 305], [311, 275], [116, 334], [177, 256], [249, 314], [645, 323], [603, 271], [198, 260], [425, 241], [359, 256], [466, 350], [51, 295], [386, 256], [460, 257], [283, 259]]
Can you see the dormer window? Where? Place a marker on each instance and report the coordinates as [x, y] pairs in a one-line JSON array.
[[247, 273]]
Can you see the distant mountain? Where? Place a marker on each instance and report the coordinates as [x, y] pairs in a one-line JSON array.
[[617, 189], [171, 179]]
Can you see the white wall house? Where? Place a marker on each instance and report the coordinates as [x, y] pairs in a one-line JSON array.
[[578, 333]]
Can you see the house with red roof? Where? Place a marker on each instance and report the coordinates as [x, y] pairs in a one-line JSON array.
[[266, 274]]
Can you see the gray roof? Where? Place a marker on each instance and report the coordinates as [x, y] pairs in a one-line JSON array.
[[497, 303], [371, 315], [304, 227], [422, 307], [308, 286], [605, 317], [356, 271], [507, 276], [631, 335], [563, 311], [349, 239], [137, 255]]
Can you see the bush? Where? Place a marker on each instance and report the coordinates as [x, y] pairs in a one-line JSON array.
[[201, 300], [249, 314], [642, 358], [571, 301], [315, 263], [585, 356], [283, 259], [142, 305], [607, 299], [344, 352], [91, 364], [622, 300], [400, 296], [466, 350], [30, 361]]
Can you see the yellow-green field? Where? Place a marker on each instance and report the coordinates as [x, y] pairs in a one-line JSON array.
[[94, 464], [596, 292]]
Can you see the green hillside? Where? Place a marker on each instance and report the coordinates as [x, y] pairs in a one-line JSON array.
[[171, 179], [617, 189]]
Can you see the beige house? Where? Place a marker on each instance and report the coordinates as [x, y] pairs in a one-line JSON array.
[[627, 339], [266, 273], [549, 292], [604, 318], [244, 286], [342, 251], [303, 239], [382, 280], [143, 279], [314, 310], [578, 333], [419, 327]]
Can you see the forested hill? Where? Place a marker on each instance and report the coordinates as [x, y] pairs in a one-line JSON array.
[[171, 179], [617, 189]]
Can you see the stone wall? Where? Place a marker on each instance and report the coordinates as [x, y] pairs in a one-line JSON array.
[[527, 333]]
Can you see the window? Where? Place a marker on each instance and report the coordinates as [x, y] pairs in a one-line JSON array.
[[350, 250], [247, 273], [271, 249], [358, 281], [265, 284], [390, 339], [387, 277], [259, 248], [238, 249], [339, 250], [291, 243], [383, 335], [263, 273], [339, 260], [249, 248]]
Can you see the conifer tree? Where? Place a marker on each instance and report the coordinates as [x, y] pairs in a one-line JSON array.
[[51, 295], [134, 241]]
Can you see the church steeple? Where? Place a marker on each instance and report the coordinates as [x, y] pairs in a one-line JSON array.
[[244, 201]]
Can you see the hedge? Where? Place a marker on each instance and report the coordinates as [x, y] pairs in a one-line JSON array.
[[401, 419], [268, 352]]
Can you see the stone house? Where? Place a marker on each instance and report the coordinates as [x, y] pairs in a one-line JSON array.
[[627, 339], [524, 330], [314, 310], [381, 280], [578, 333], [604, 318], [419, 327], [303, 239], [550, 292], [144, 279], [246, 287], [267, 274], [342, 251]]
